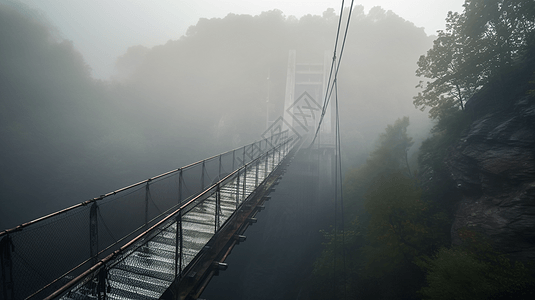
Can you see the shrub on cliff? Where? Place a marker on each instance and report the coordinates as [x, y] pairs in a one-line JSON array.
[[459, 273]]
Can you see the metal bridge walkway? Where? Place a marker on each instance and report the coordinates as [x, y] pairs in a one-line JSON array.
[[121, 245]]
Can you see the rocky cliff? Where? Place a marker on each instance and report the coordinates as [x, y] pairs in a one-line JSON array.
[[493, 166]]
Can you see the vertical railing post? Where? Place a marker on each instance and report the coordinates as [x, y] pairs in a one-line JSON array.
[[280, 148], [6, 247], [256, 175], [102, 277], [202, 176], [178, 234], [147, 194], [244, 181], [180, 181], [179, 245], [266, 165], [219, 175], [233, 159], [275, 157], [217, 208], [288, 146], [93, 233], [238, 190], [243, 162], [273, 160]]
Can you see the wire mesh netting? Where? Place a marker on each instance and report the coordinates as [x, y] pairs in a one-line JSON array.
[[44, 253], [43, 256]]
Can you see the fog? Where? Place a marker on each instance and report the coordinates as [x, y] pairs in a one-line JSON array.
[[67, 137], [103, 30]]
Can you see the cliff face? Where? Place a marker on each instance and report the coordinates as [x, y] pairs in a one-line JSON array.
[[493, 166]]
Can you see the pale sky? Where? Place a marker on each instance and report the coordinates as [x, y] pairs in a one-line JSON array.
[[102, 30]]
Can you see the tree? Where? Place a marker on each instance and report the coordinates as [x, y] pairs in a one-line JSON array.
[[397, 225], [476, 272], [394, 144], [478, 45], [401, 228], [390, 155], [450, 63]]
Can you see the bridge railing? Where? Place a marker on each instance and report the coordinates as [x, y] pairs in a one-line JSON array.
[[234, 189], [41, 255]]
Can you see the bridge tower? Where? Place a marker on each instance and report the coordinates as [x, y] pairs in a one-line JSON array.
[[285, 241], [306, 87]]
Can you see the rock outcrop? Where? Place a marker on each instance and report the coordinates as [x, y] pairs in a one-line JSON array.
[[493, 166]]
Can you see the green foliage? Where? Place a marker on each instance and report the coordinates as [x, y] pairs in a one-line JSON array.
[[391, 152], [478, 45], [405, 230], [459, 273], [402, 226], [390, 155], [337, 268], [455, 80], [394, 226], [446, 131], [397, 228]]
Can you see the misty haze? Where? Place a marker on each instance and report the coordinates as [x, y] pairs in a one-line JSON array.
[[416, 181]]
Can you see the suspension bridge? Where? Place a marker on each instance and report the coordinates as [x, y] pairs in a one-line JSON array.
[[161, 238], [167, 236]]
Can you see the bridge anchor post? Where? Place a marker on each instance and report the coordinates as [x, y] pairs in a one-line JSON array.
[[6, 247], [93, 233]]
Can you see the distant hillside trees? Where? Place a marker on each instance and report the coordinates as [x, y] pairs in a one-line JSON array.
[[219, 70]]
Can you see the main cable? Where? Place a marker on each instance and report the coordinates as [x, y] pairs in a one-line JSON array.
[[338, 176], [330, 87], [334, 56], [325, 102]]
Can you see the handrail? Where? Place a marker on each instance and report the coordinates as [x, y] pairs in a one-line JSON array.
[[85, 203], [141, 236]]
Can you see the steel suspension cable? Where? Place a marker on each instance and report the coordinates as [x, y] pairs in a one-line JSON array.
[[334, 56], [325, 101], [338, 178], [330, 87]]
